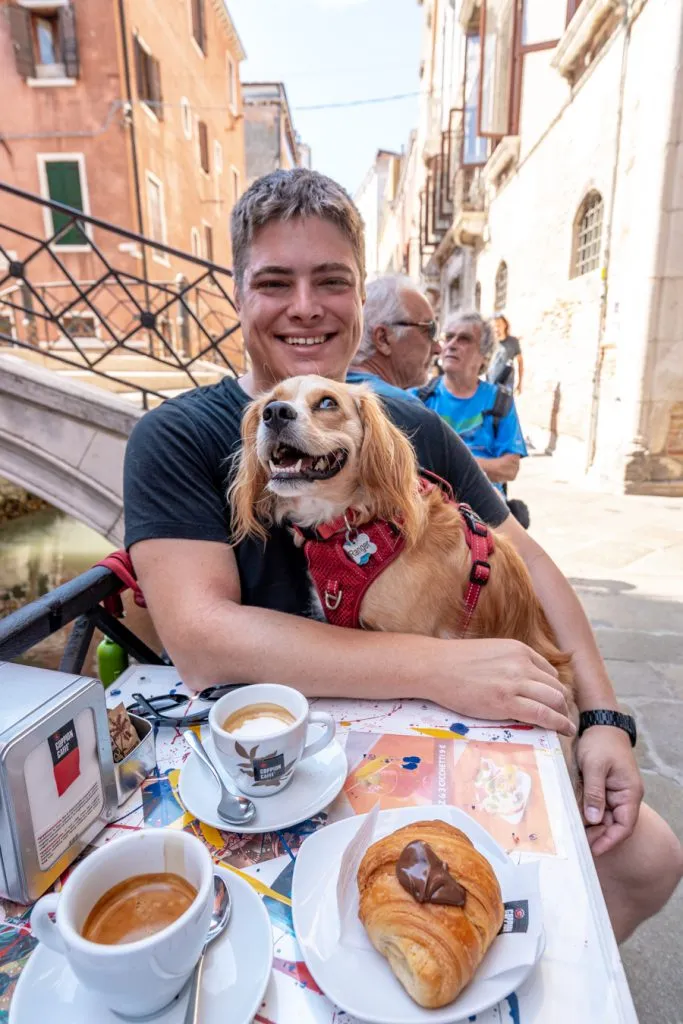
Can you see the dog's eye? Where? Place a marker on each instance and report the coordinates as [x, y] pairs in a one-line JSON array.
[[327, 403]]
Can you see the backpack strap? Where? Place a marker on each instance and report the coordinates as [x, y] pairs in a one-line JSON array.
[[502, 404], [428, 390]]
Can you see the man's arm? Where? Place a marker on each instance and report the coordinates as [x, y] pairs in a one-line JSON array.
[[193, 593], [611, 780], [501, 470]]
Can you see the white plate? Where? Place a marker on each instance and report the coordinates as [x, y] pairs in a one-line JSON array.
[[236, 975], [315, 784], [353, 974]]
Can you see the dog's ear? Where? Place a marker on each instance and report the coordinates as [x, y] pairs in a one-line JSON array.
[[250, 502], [387, 469]]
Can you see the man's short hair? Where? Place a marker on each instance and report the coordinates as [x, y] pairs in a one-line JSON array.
[[383, 305], [486, 340], [285, 195]]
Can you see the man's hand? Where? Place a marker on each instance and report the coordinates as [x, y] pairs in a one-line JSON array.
[[613, 788], [501, 679]]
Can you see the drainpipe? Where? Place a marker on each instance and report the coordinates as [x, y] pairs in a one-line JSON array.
[[130, 122], [599, 353]]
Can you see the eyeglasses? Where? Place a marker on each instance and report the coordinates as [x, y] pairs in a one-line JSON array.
[[428, 327], [154, 708]]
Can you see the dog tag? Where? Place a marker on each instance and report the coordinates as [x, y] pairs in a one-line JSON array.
[[359, 548]]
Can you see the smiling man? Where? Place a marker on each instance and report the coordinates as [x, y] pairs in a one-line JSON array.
[[240, 613]]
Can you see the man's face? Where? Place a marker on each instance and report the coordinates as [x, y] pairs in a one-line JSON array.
[[412, 349], [300, 303], [499, 328], [461, 351]]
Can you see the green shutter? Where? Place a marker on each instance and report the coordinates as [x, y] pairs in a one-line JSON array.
[[64, 186]]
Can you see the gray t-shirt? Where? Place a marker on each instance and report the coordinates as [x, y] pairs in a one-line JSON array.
[[508, 349]]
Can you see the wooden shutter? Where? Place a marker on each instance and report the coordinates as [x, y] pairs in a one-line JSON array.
[[64, 186], [157, 95], [20, 31], [69, 40], [496, 67], [140, 56], [203, 146]]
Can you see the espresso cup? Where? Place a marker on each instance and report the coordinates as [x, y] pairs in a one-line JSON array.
[[261, 761], [133, 978]]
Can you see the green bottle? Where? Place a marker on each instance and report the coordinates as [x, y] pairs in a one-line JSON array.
[[112, 660]]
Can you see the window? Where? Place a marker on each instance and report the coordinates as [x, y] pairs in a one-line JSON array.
[[80, 325], [199, 24], [208, 242], [232, 84], [235, 185], [186, 115], [148, 78], [501, 287], [509, 30], [203, 136], [587, 235], [62, 179], [543, 21], [157, 215], [477, 296], [474, 147], [195, 246], [497, 20], [45, 42], [217, 157]]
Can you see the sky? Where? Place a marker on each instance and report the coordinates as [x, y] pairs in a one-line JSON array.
[[337, 51]]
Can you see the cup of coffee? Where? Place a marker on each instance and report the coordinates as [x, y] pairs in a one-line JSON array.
[[260, 734], [132, 918]]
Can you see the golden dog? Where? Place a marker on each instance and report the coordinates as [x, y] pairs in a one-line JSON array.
[[313, 449]]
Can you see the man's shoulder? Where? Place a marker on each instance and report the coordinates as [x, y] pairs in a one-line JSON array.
[[411, 416], [380, 386], [215, 404]]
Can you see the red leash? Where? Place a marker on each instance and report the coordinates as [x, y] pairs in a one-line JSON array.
[[120, 564]]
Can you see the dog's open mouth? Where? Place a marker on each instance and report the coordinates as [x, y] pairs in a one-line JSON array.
[[287, 463]]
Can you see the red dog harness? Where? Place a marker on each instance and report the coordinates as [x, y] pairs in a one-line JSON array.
[[343, 559]]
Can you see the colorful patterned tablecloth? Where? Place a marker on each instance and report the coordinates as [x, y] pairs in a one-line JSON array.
[[510, 778]]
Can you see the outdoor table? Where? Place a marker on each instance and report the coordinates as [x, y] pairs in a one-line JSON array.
[[402, 753]]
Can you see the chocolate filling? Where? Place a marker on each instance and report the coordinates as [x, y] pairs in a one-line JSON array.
[[427, 878]]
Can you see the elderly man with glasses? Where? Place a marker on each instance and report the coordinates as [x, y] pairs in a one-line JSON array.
[[399, 342]]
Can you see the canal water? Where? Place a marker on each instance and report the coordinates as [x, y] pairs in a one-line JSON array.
[[38, 552]]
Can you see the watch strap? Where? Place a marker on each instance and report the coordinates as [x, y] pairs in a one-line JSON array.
[[605, 717]]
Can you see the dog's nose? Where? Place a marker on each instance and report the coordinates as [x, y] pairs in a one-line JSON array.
[[277, 415]]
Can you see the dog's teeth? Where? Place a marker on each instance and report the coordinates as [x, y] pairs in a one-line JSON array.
[[297, 468], [321, 465], [272, 465]]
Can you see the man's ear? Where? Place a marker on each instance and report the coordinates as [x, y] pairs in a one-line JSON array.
[[237, 299], [380, 337]]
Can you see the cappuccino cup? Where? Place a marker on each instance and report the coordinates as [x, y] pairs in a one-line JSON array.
[[260, 733], [142, 976]]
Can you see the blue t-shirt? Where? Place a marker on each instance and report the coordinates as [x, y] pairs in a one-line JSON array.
[[466, 417], [379, 386]]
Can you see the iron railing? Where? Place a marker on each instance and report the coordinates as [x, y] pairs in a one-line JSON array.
[[77, 290], [76, 601]]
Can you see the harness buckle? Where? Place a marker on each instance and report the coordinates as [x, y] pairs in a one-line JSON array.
[[480, 572], [474, 523], [332, 601]]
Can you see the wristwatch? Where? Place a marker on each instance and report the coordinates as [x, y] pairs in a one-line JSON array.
[[625, 722]]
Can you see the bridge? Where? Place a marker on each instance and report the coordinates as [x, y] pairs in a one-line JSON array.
[[88, 340], [64, 441]]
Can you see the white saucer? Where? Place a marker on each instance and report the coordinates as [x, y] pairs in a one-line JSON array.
[[354, 975], [236, 975], [315, 784]]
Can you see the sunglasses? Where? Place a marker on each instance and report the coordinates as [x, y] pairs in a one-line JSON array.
[[428, 327], [154, 708]]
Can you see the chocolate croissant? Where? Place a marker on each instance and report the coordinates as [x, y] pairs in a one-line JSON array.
[[412, 918]]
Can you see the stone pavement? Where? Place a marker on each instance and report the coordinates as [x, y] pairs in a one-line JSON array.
[[624, 556]]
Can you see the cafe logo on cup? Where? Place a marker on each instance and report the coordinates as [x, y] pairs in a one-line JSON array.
[[264, 770], [516, 918], [66, 763]]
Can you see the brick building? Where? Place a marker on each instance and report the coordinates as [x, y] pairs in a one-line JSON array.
[[550, 180], [130, 110], [271, 141]]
